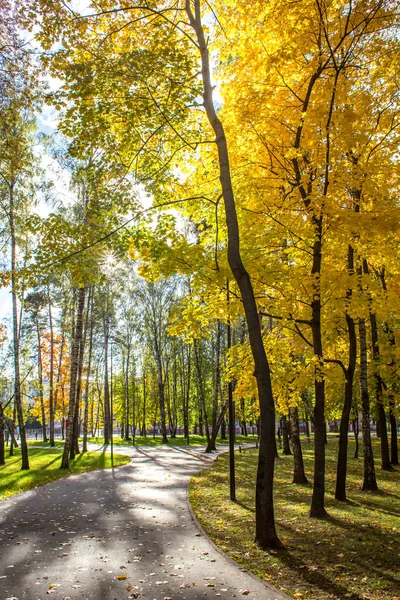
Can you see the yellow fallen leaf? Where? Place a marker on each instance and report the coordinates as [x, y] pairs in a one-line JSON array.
[[121, 577]]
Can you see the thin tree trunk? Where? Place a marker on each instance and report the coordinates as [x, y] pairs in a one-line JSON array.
[[106, 424], [299, 476], [285, 436], [40, 373], [74, 374], [266, 535], [202, 399], [51, 379], [369, 466], [385, 458], [341, 471], [16, 338], [2, 448], [89, 366], [211, 446], [394, 450], [356, 436]]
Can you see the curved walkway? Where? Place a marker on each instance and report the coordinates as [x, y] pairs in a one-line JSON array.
[[117, 534]]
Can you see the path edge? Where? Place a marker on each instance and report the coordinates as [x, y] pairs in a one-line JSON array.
[[280, 595]]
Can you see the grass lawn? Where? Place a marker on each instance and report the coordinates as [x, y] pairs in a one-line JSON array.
[[194, 440], [353, 554], [45, 467]]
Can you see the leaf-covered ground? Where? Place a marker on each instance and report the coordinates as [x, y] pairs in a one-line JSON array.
[[353, 554], [45, 467]]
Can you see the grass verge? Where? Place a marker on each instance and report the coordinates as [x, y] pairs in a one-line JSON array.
[[45, 467], [354, 554], [194, 440]]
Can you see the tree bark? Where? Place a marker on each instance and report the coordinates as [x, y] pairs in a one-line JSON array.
[[203, 409], [285, 436], [299, 476], [369, 466], [107, 416], [385, 458], [2, 448], [40, 373], [51, 378], [341, 471], [89, 366], [16, 338], [266, 536], [74, 374]]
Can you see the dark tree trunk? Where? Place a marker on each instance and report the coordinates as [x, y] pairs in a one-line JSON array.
[[356, 437], [107, 415], [15, 326], [202, 399], [285, 436], [386, 466], [341, 471], [2, 448], [40, 373], [186, 394], [221, 418], [318, 498], [223, 430], [266, 535], [217, 383], [369, 466], [51, 379], [89, 367], [161, 393], [394, 450], [76, 343], [144, 433], [299, 476], [76, 429]]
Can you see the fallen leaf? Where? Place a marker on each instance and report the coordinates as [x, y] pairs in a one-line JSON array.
[[121, 577]]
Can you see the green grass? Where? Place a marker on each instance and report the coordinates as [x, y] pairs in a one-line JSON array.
[[194, 440], [355, 553], [41, 444], [45, 467]]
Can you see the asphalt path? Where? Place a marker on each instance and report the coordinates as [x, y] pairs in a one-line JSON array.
[[118, 534]]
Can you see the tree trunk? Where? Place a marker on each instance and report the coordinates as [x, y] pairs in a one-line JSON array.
[[394, 450], [186, 396], [386, 466], [369, 466], [285, 436], [299, 476], [266, 535], [161, 394], [356, 436], [144, 433], [40, 373], [76, 343], [51, 379], [89, 366], [2, 448], [107, 416], [16, 338], [318, 497], [202, 399], [221, 418], [75, 432], [341, 471]]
